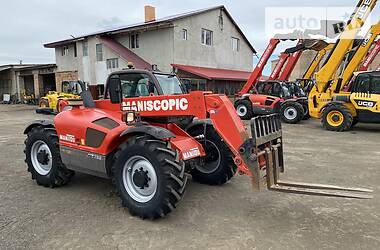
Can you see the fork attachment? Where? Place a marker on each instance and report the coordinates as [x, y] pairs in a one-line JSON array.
[[263, 154]]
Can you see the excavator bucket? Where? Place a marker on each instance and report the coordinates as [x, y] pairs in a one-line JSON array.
[[267, 162]]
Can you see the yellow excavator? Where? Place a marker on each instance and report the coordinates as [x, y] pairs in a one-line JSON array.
[[341, 110], [54, 102]]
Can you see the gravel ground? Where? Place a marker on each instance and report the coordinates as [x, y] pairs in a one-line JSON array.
[[86, 214]]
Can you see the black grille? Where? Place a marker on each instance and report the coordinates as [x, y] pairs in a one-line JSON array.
[[107, 123], [94, 138]]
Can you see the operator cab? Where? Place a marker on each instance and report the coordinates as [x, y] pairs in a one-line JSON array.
[[138, 83], [367, 82], [365, 96], [273, 88], [73, 87]]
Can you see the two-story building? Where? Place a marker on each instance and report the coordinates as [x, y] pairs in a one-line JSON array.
[[206, 48]]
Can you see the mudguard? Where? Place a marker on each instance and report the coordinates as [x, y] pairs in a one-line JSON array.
[[43, 123], [196, 123]]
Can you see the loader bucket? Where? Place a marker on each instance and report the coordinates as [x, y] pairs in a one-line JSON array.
[[266, 162]]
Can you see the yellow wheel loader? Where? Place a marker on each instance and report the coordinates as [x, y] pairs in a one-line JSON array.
[[54, 102]]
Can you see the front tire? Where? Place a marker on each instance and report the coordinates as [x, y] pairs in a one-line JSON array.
[[218, 166], [337, 117], [44, 103], [149, 177], [244, 109], [306, 115], [43, 158], [291, 112]]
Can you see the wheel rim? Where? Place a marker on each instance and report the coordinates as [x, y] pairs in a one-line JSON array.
[[335, 118], [241, 110], [290, 113], [140, 179], [211, 161], [41, 157]]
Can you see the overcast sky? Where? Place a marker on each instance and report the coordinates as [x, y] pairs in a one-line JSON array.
[[27, 25]]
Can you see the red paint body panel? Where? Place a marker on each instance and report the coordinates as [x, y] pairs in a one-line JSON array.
[[258, 71], [203, 105]]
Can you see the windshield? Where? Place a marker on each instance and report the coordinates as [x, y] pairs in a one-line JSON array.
[[285, 92], [71, 88], [170, 84]]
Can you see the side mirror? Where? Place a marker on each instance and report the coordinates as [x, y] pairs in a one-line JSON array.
[[114, 89]]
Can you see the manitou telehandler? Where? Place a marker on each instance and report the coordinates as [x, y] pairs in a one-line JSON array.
[[147, 135], [341, 110], [251, 103], [370, 57], [294, 106]]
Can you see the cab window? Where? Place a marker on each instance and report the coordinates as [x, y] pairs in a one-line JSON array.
[[135, 85], [362, 84], [375, 85]]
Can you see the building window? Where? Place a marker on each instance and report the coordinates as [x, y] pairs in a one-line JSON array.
[[206, 37], [235, 44], [65, 50], [113, 63], [184, 34], [75, 50], [99, 52], [85, 48], [135, 41]]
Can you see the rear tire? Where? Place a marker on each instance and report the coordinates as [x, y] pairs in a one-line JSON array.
[[291, 112], [244, 109], [149, 177], [43, 158], [337, 117], [218, 166]]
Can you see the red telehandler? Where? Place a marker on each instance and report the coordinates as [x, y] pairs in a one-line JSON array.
[[370, 57], [148, 135], [290, 107]]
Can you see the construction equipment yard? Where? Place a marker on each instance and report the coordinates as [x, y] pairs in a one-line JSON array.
[[87, 214]]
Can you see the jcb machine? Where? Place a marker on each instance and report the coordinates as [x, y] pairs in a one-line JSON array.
[[54, 102], [341, 110], [147, 135]]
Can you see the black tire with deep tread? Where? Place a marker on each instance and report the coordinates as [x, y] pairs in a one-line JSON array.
[[59, 174], [348, 118], [227, 167], [248, 105], [306, 115], [297, 106], [170, 173]]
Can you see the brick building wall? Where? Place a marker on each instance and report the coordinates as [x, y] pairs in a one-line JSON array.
[[65, 76]]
